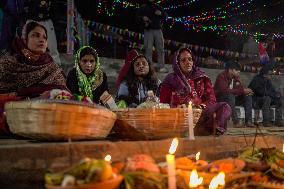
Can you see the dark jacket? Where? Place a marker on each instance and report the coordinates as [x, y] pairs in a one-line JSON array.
[[72, 84], [149, 11], [222, 85], [262, 86], [39, 10]]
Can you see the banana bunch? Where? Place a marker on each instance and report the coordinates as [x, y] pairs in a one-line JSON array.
[[88, 170], [251, 155], [272, 155]]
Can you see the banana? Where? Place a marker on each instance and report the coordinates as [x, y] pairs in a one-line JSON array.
[[79, 171], [277, 168], [53, 179], [279, 154]]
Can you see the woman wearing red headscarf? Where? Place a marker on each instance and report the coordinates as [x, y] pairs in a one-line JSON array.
[[189, 83], [28, 70]]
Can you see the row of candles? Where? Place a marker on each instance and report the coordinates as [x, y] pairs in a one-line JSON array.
[[195, 181]]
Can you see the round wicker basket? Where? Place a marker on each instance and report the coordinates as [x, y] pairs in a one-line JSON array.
[[53, 120], [153, 123]]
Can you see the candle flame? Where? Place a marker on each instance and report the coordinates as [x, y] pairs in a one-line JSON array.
[[197, 155], [217, 180], [194, 180], [173, 146], [108, 158], [189, 103], [283, 148]]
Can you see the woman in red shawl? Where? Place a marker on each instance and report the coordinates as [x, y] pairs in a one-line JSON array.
[[189, 83], [28, 70]]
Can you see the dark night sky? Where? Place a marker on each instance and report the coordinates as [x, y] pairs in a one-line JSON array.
[[125, 18]]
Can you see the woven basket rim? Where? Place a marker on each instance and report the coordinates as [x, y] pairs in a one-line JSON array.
[[150, 109], [57, 106]]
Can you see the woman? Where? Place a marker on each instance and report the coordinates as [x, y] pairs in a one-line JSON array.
[[86, 78], [138, 78], [28, 70], [189, 83]]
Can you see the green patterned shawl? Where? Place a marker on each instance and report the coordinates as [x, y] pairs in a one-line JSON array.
[[87, 84]]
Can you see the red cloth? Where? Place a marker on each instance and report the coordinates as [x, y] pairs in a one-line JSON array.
[[3, 99], [222, 85], [22, 71], [127, 64], [262, 49], [202, 86]]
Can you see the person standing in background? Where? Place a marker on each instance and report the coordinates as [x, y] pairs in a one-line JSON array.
[[152, 16], [262, 53], [270, 47], [41, 11]]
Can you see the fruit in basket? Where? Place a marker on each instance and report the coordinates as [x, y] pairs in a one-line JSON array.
[[227, 165], [272, 155], [89, 170], [251, 155], [141, 162], [278, 167], [79, 171], [99, 170], [184, 163], [121, 104]]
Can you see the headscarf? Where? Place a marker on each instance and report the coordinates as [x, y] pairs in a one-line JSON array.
[[125, 68], [178, 78], [87, 84], [23, 69]]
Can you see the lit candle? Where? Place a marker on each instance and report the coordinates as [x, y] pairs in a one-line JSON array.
[[217, 180], [172, 165], [199, 164], [194, 180], [108, 158], [197, 155], [190, 121], [283, 147]]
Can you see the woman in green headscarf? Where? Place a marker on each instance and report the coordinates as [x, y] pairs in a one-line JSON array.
[[86, 78]]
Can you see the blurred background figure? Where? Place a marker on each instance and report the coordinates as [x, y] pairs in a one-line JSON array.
[[152, 16], [42, 12], [13, 18]]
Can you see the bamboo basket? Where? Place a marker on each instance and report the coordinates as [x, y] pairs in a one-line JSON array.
[[58, 120], [153, 123]]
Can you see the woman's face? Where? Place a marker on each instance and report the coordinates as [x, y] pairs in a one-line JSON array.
[[141, 67], [186, 62], [37, 40], [88, 64]]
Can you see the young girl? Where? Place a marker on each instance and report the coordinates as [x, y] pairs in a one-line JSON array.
[[138, 79], [86, 78]]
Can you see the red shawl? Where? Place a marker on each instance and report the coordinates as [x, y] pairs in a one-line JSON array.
[[27, 73]]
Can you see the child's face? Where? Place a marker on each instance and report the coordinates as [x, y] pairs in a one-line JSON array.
[[141, 67], [88, 64]]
